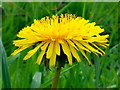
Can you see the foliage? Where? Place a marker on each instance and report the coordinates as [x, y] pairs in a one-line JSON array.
[[26, 74]]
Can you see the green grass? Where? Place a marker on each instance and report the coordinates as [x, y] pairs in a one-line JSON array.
[[26, 74]]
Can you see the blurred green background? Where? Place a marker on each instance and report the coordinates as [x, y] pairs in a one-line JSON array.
[[26, 74]]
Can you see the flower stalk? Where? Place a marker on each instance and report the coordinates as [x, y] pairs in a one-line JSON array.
[[56, 78]]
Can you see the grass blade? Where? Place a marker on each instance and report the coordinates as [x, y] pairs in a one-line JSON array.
[[97, 69], [5, 73], [84, 7], [36, 81], [64, 8], [0, 74]]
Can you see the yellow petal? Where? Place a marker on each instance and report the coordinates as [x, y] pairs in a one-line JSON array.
[[57, 48], [103, 45], [83, 53], [53, 59], [66, 50], [39, 59], [72, 44], [21, 49], [90, 47], [98, 48], [23, 42], [70, 59], [44, 46], [50, 50], [78, 38], [31, 52], [74, 53], [100, 39], [80, 46]]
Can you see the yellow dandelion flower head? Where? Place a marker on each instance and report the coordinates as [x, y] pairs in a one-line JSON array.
[[66, 33]]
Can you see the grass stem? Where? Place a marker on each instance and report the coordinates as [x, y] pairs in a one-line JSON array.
[[84, 7]]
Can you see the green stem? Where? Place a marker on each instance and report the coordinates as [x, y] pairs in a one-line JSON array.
[[84, 7], [56, 78]]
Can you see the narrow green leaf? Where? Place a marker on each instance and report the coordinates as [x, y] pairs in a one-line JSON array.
[[36, 81], [84, 7], [10, 59], [97, 69], [0, 68], [5, 73], [64, 8]]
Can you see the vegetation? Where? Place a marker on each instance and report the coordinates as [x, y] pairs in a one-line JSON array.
[[26, 74]]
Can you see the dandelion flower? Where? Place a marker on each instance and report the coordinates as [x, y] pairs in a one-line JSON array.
[[66, 33]]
